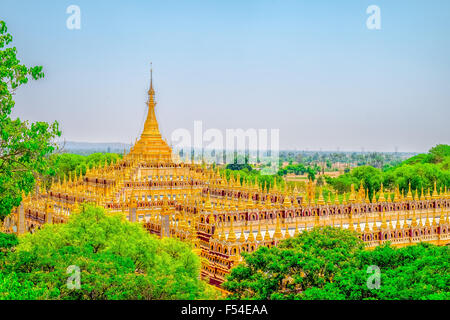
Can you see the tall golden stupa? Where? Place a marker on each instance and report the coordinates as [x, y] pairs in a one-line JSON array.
[[151, 146], [224, 217]]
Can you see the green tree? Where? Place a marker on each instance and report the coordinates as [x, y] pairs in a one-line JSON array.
[[439, 153], [66, 164], [342, 183], [311, 174], [7, 243], [415, 272], [11, 288], [310, 260], [320, 181], [24, 146], [239, 163], [329, 263], [117, 259], [421, 171]]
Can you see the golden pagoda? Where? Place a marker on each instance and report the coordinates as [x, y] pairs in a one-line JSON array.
[[196, 203], [151, 146]]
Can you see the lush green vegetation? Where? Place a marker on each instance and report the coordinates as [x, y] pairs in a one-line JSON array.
[[63, 165], [330, 263], [28, 149], [300, 169], [24, 146], [325, 159], [120, 260], [250, 175], [7, 243], [117, 260], [421, 171]]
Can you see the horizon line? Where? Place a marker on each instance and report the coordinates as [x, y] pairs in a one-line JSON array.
[[281, 149]]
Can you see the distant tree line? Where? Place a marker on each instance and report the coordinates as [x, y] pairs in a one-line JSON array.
[[421, 171], [327, 158]]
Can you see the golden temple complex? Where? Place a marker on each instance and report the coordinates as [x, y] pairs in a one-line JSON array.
[[224, 217]]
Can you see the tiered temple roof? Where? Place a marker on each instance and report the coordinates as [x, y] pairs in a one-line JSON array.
[[223, 218]]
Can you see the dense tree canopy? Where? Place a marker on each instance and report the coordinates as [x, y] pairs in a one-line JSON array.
[[65, 164], [117, 260], [329, 263], [7, 242], [310, 260], [24, 146], [422, 171], [256, 176], [297, 169], [415, 272], [327, 158]]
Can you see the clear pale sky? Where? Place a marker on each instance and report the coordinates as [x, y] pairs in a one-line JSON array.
[[310, 68]]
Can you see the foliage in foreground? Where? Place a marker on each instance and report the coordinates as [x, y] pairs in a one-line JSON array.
[[117, 260], [330, 263], [24, 146]]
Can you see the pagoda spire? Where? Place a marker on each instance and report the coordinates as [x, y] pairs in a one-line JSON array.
[[151, 124], [151, 145], [151, 91]]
